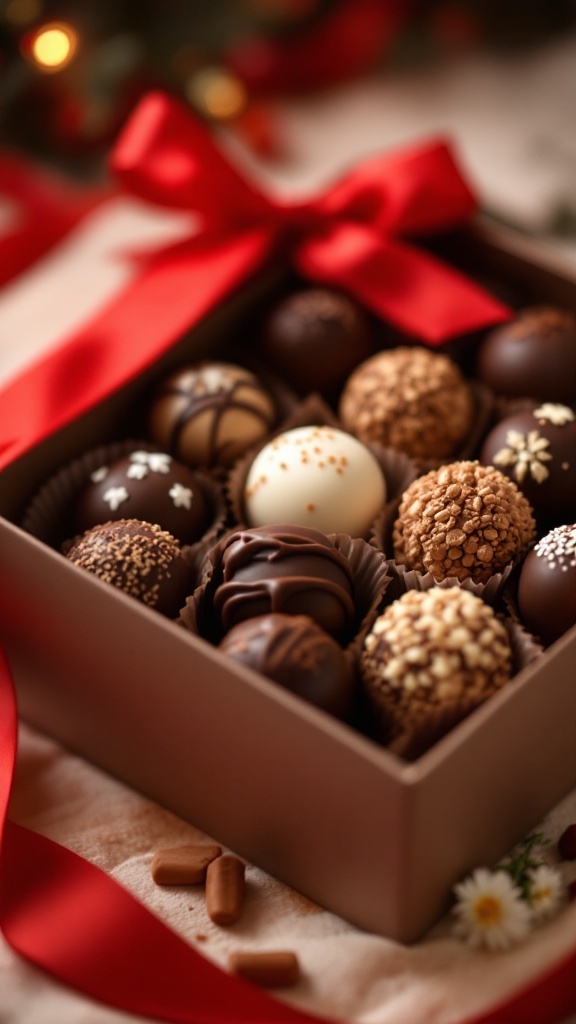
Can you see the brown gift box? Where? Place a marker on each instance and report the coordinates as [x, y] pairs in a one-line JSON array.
[[318, 805]]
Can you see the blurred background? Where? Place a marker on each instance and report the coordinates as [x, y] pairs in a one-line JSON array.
[[299, 89]]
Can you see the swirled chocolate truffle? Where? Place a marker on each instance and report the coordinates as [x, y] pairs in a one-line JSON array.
[[462, 521], [315, 476], [410, 399], [537, 450], [294, 652], [289, 569], [209, 414], [429, 660], [547, 585], [139, 558], [315, 337], [151, 486], [533, 356]]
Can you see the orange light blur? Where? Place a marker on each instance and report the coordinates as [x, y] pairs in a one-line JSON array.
[[52, 46]]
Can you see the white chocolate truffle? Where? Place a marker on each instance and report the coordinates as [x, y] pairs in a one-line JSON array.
[[315, 476]]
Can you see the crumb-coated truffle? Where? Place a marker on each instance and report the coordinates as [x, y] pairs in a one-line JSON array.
[[464, 521], [532, 356], [285, 568], [294, 652], [429, 659], [139, 558], [410, 399], [315, 337], [537, 450], [547, 585], [315, 476], [151, 486], [210, 413]]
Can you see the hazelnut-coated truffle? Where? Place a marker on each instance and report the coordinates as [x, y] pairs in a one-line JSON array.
[[547, 585], [464, 521], [410, 399]]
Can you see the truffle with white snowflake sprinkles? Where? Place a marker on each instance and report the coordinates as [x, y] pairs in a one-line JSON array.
[[490, 911], [547, 585], [150, 486], [537, 450]]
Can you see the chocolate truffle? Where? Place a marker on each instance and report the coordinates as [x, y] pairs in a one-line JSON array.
[[410, 399], [315, 337], [463, 521], [294, 652], [429, 660], [284, 568], [209, 414], [315, 476], [547, 585], [532, 356], [537, 450], [150, 486], [139, 558]]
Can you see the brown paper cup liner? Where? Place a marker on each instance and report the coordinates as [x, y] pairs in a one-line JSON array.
[[411, 579]]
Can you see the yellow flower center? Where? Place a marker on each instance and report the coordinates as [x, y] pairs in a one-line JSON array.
[[488, 910]]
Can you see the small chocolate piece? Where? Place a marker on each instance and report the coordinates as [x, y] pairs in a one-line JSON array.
[[567, 843], [150, 486], [269, 969], [184, 865], [315, 476], [463, 520], [284, 568], [139, 558], [209, 414], [315, 337], [547, 585], [410, 399], [294, 652], [533, 356], [537, 450], [225, 889]]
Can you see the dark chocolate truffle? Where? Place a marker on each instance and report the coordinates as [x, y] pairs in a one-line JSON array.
[[139, 558], [150, 486], [284, 568], [294, 652], [429, 660], [547, 585], [209, 414], [533, 356], [537, 450], [410, 399], [464, 521], [315, 337]]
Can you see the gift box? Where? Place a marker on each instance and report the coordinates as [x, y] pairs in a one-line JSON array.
[[306, 797]]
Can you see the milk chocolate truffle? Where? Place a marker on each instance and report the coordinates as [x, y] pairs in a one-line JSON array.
[[294, 652], [464, 521], [547, 585], [151, 486], [429, 660], [288, 569], [139, 558], [209, 414], [315, 476], [532, 356], [315, 337], [537, 450]]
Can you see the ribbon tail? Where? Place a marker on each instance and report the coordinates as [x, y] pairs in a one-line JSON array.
[[407, 287]]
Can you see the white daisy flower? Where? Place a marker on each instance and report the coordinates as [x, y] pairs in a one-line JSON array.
[[490, 911], [545, 891]]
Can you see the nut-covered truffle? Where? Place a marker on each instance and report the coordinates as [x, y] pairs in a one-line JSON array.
[[410, 399], [315, 337], [533, 356], [464, 521], [285, 568], [145, 485], [430, 659], [209, 414], [294, 652], [139, 558], [315, 476], [537, 450], [547, 585]]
